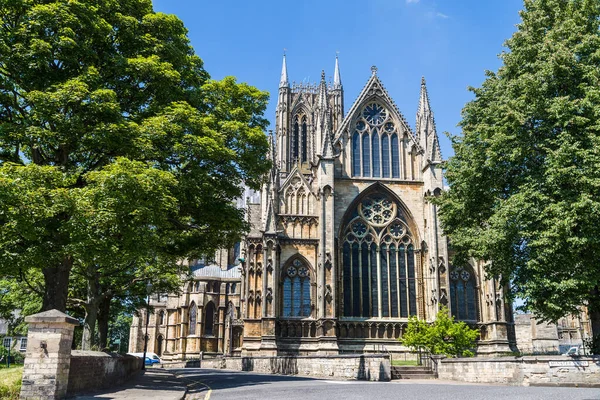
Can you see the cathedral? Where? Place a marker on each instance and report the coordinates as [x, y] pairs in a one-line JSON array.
[[345, 243]]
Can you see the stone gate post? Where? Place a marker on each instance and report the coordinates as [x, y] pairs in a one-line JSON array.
[[48, 356]]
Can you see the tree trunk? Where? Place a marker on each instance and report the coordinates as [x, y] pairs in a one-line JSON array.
[[91, 309], [594, 315], [103, 318], [89, 324], [56, 285]]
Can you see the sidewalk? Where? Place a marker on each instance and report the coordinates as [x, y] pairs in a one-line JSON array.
[[155, 383]]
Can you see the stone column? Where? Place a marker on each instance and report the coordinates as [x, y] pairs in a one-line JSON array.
[[48, 357]]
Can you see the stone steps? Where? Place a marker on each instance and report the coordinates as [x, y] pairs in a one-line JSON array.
[[412, 373]]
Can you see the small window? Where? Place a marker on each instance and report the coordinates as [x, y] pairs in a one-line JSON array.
[[23, 344], [7, 342], [193, 320]]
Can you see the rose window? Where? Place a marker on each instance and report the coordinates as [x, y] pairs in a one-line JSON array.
[[378, 211], [374, 114], [291, 271]]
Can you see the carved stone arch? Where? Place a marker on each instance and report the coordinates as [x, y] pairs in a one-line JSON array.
[[381, 188]]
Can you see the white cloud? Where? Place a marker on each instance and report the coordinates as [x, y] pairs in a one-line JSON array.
[[412, 1], [441, 15]]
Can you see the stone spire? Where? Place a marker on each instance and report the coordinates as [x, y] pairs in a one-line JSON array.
[[270, 190], [337, 80], [284, 82], [426, 132]]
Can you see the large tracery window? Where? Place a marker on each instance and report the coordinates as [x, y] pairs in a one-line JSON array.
[[375, 144], [296, 290], [463, 298], [378, 262]]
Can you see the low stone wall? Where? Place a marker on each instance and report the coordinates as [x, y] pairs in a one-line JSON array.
[[92, 370], [374, 367], [527, 371]]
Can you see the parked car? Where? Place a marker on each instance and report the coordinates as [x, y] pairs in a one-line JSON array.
[[153, 356], [150, 361], [574, 351]]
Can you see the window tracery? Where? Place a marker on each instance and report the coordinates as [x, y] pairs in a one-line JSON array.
[[375, 144], [463, 294], [378, 261], [296, 290]]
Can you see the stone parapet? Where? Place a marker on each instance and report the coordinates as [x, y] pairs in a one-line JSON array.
[[524, 371], [360, 367]]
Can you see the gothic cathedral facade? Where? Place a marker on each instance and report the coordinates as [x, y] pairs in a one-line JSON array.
[[345, 243]]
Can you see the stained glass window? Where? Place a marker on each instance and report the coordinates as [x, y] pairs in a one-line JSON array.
[[463, 299], [193, 318], [356, 154], [376, 153], [385, 155], [296, 290], [295, 139], [209, 318], [378, 272], [304, 138], [372, 153], [366, 155], [395, 157]]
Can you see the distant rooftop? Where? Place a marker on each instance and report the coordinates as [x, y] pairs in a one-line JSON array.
[[214, 271]]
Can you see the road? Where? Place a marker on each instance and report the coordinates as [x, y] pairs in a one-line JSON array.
[[233, 385]]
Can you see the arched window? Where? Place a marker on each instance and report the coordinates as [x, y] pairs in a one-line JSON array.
[[356, 154], [295, 138], [378, 261], [463, 294], [375, 144], [296, 290], [161, 317], [304, 139], [395, 157], [385, 156], [376, 154], [366, 155], [233, 288], [193, 319], [209, 318]]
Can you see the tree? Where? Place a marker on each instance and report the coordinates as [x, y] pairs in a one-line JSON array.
[[524, 181], [443, 336], [90, 88]]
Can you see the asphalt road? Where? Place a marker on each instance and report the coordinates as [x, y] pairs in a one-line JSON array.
[[233, 385]]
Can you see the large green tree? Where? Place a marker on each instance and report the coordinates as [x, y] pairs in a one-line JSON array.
[[107, 94], [525, 179]]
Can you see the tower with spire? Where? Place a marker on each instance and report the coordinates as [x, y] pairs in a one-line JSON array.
[[346, 244]]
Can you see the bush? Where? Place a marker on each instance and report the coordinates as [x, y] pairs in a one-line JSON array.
[[443, 336]]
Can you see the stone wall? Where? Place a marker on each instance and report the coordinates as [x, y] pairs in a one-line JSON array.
[[92, 370], [361, 367], [526, 371], [535, 337]]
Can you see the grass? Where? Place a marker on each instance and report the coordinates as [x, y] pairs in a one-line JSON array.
[[404, 363], [10, 382]]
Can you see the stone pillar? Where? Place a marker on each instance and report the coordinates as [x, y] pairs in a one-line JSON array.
[[48, 357]]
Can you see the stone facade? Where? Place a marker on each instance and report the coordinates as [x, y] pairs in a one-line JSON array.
[[345, 242], [204, 317]]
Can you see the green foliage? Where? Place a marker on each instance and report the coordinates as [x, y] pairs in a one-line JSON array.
[[118, 154], [443, 336], [524, 181], [10, 383]]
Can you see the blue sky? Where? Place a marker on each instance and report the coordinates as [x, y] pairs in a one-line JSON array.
[[450, 42]]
